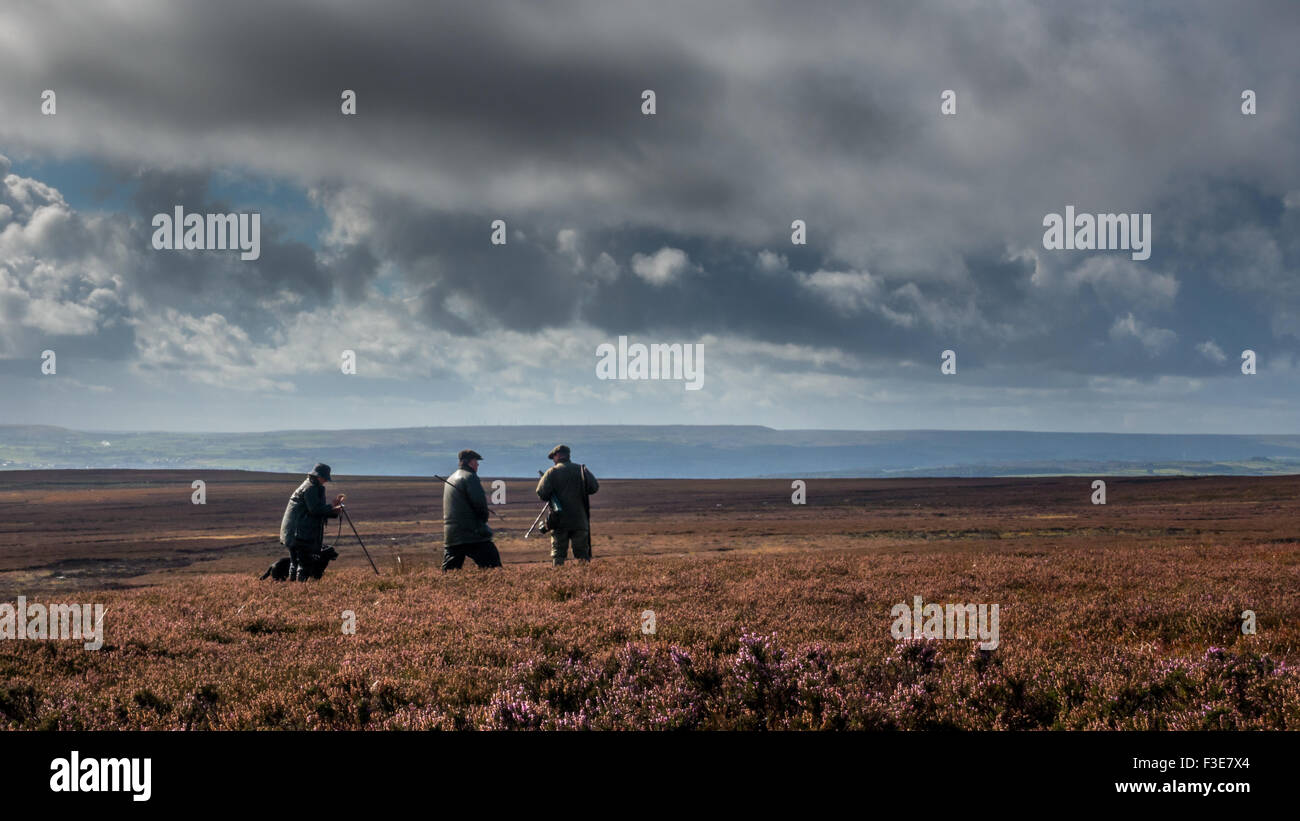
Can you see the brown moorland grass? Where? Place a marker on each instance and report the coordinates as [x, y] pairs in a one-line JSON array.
[[1124, 617]]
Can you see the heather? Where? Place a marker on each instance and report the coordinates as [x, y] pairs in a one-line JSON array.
[[1094, 636]]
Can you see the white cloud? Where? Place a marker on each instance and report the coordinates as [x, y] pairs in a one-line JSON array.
[[846, 291], [772, 262], [1154, 340], [59, 271], [566, 241], [605, 268], [664, 266], [1124, 280], [1211, 351]]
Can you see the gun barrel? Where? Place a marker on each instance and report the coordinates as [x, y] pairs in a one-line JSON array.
[[537, 520]]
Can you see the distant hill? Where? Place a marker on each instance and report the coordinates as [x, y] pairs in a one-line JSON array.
[[647, 451]]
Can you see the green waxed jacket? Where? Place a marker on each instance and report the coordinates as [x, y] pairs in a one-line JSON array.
[[305, 515], [464, 509], [564, 482]]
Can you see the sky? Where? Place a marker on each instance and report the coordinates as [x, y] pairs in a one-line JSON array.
[[924, 229]]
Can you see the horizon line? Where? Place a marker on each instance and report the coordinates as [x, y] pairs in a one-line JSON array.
[[138, 431]]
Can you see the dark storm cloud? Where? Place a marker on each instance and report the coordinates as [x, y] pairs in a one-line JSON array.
[[507, 85], [508, 72], [924, 232], [241, 290]]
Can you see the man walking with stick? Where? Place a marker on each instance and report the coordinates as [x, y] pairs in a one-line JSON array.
[[566, 486], [465, 530], [302, 529]]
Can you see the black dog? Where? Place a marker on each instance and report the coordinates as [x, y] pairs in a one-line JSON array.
[[279, 569]]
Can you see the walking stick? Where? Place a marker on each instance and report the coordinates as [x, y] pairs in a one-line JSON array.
[[358, 535]]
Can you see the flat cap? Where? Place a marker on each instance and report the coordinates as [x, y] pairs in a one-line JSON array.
[[564, 449], [466, 455]]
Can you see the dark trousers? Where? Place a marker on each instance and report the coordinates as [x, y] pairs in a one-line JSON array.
[[303, 558], [560, 541], [484, 554]]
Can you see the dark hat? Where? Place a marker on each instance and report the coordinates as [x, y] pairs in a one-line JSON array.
[[564, 449], [466, 455], [321, 471]]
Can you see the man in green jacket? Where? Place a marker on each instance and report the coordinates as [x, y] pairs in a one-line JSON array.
[[566, 486], [465, 530], [302, 529]]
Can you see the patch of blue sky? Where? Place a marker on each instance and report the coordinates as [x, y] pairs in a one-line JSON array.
[[89, 186]]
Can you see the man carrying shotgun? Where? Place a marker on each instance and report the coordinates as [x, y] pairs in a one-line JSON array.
[[465, 530], [566, 486], [302, 529]]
